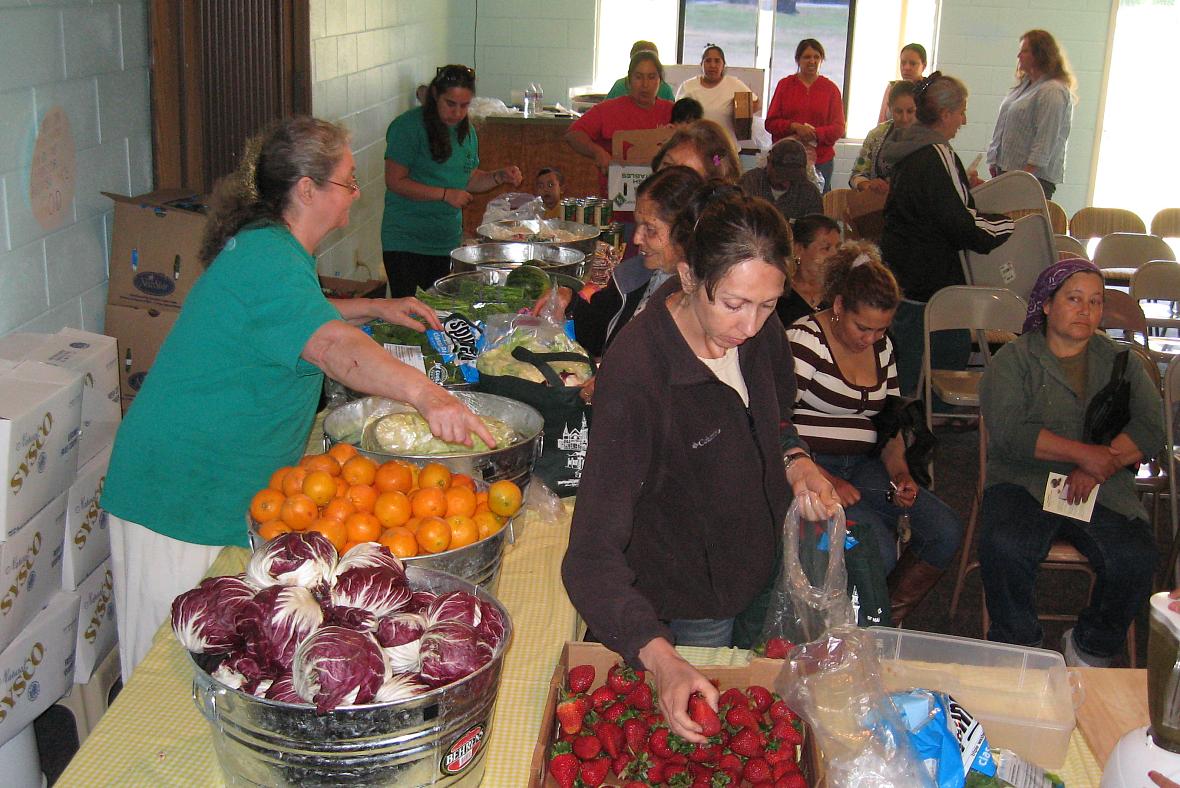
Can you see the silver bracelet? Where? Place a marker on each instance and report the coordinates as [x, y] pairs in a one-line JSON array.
[[788, 459]]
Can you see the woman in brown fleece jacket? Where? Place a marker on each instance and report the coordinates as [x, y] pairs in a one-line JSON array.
[[693, 459]]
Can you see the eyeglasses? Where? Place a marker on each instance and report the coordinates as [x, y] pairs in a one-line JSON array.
[[352, 186]]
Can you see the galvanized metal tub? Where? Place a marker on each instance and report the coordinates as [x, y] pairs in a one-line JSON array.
[[346, 423], [438, 739], [573, 235], [552, 259]]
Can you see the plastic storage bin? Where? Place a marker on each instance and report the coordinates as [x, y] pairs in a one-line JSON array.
[[1023, 696]]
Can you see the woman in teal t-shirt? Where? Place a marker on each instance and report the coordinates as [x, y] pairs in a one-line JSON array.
[[431, 169], [233, 391]]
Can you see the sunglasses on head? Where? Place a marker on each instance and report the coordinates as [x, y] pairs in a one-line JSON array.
[[454, 74]]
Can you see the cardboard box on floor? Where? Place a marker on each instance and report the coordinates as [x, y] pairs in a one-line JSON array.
[[88, 540], [154, 248], [97, 633], [758, 671], [743, 114], [40, 414], [30, 568], [632, 152], [140, 332], [38, 666]]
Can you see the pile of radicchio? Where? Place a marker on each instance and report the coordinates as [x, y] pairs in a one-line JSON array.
[[303, 625]]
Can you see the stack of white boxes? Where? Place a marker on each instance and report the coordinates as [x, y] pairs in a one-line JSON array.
[[59, 410]]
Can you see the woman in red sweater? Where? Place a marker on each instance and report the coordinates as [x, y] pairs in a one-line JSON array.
[[808, 106]]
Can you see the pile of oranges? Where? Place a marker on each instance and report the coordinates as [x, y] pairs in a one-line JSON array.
[[350, 499]]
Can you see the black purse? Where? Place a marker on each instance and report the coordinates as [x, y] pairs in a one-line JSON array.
[[1110, 410], [907, 416]]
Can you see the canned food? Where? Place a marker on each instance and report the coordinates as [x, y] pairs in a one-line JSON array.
[[607, 209], [569, 209]]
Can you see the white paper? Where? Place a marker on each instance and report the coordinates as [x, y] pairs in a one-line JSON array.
[[1056, 502], [408, 354]]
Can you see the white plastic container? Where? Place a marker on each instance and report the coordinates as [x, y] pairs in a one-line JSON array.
[[1023, 696]]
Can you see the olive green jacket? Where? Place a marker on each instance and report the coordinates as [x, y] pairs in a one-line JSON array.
[[1025, 390]]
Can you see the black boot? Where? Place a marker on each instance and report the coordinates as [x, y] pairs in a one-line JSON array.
[[909, 583]]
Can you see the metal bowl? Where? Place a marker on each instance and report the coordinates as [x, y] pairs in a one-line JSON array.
[[346, 424], [552, 259], [450, 284], [575, 235]]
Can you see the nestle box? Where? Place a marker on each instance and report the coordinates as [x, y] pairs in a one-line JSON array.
[[154, 248], [95, 357], [37, 668], [758, 671], [30, 567], [743, 114], [87, 542], [40, 413], [97, 633], [140, 332]]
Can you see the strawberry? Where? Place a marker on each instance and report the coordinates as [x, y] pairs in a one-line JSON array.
[[587, 747], [760, 698], [698, 771], [705, 753], [648, 768], [594, 772], [601, 698], [580, 678], [733, 697], [622, 678], [613, 712], [619, 764], [658, 743], [729, 762], [747, 742], [635, 784], [677, 774], [563, 765], [635, 734], [757, 770], [702, 714], [777, 752], [793, 780], [779, 710], [782, 769], [570, 711], [641, 697], [727, 777], [741, 717], [611, 736], [786, 732], [777, 648]]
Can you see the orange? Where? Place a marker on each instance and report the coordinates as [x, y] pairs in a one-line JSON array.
[[341, 487], [481, 498], [504, 498], [321, 462], [347, 546], [400, 542], [334, 530], [293, 481], [342, 452], [412, 524], [362, 527], [359, 470], [487, 523], [392, 508], [429, 502], [338, 509], [320, 487], [460, 500], [362, 496], [464, 531], [394, 476], [269, 530], [266, 505], [462, 480], [434, 535], [299, 511], [276, 478], [434, 474]]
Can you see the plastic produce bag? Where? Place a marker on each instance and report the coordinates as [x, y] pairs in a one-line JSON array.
[[834, 683], [514, 206], [810, 593]]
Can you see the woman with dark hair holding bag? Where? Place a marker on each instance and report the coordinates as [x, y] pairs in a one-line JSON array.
[[1037, 396], [431, 170], [693, 458]]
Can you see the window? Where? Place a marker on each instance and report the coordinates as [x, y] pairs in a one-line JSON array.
[[621, 23]]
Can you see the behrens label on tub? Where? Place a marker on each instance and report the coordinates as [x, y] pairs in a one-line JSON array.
[[463, 751]]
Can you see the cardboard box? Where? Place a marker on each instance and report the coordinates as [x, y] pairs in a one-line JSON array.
[[154, 248], [758, 671], [632, 152], [88, 539], [743, 114], [335, 287], [97, 633], [30, 568], [140, 333], [40, 413], [37, 668], [622, 180], [96, 358]]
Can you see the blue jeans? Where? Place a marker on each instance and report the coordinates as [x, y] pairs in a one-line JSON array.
[[948, 349], [1015, 538], [708, 632], [937, 530], [826, 169]]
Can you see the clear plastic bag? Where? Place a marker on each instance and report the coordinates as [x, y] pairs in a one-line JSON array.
[[810, 594], [541, 506], [514, 206], [834, 684]]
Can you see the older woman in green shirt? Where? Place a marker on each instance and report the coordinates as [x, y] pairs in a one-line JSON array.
[[1034, 397]]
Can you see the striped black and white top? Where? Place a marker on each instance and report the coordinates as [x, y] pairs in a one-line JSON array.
[[833, 415]]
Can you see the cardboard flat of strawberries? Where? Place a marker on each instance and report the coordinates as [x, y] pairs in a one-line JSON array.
[[759, 671]]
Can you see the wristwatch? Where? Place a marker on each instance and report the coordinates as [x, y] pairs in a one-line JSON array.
[[792, 457]]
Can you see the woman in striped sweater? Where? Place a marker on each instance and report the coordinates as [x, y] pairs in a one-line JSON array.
[[845, 368]]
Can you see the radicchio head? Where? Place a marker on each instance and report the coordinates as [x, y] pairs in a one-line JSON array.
[[371, 578], [337, 666], [299, 558], [204, 618]]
